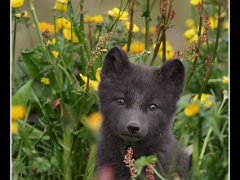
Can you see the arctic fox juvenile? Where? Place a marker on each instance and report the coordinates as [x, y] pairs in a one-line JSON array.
[[138, 104]]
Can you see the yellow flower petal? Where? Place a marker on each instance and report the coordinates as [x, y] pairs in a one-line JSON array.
[[189, 23], [55, 54], [115, 12], [45, 81], [92, 83], [225, 79], [226, 25], [191, 110], [97, 75], [124, 48], [188, 34], [51, 42], [18, 15], [205, 100], [67, 34], [62, 22], [137, 47], [43, 26], [213, 23], [25, 14], [14, 128], [94, 121], [61, 7], [18, 112], [17, 3], [62, 1], [94, 19], [195, 2], [135, 27]]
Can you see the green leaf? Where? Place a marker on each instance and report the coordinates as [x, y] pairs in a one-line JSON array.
[[41, 164], [89, 172], [19, 167], [35, 62], [33, 133], [22, 95], [144, 161]]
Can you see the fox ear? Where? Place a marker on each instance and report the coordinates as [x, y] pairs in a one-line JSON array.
[[115, 62], [171, 75]]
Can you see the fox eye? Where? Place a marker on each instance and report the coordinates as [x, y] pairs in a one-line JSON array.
[[153, 107], [120, 101]]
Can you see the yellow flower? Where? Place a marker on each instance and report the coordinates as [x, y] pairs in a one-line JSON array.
[[14, 128], [124, 48], [152, 30], [61, 5], [116, 13], [225, 79], [55, 54], [191, 110], [213, 23], [191, 35], [195, 2], [18, 15], [189, 23], [94, 121], [69, 35], [205, 100], [43, 26], [137, 47], [226, 25], [25, 14], [51, 42], [135, 27], [94, 19], [93, 84], [62, 1], [45, 81], [17, 3], [62, 22], [97, 75], [18, 112], [169, 51]]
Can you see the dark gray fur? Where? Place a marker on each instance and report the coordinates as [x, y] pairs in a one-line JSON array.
[[140, 86]]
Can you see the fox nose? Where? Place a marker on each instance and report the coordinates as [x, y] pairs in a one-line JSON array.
[[133, 128]]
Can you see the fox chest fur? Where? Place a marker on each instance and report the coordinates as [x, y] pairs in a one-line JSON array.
[[138, 104]]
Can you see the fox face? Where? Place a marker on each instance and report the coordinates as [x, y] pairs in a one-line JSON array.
[[137, 101]]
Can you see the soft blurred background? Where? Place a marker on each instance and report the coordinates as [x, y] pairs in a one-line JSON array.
[[28, 39]]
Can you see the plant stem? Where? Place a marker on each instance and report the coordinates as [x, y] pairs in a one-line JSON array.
[[196, 138], [67, 136], [198, 45], [13, 49], [130, 30], [164, 47], [35, 19], [82, 36], [205, 145], [160, 37], [208, 75], [155, 171], [163, 26], [147, 19], [120, 14]]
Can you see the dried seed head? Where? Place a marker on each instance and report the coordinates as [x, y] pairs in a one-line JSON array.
[[130, 162]]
